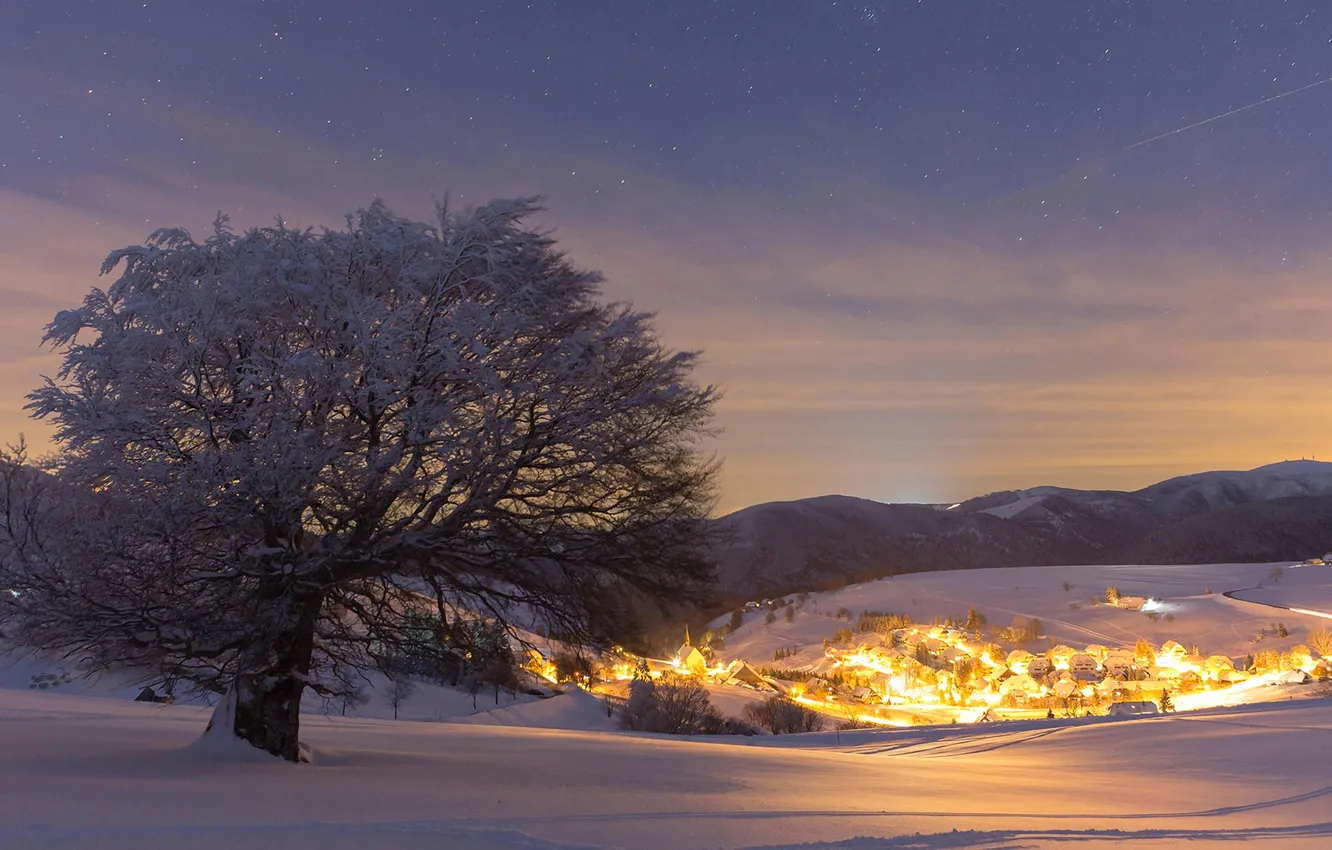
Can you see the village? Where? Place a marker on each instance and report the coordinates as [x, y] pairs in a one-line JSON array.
[[884, 670]]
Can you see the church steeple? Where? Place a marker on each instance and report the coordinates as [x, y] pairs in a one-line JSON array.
[[688, 642]]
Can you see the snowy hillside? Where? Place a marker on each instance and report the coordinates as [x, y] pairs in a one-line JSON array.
[[1177, 497], [1192, 494], [83, 772], [1187, 612], [1305, 588], [1276, 512], [83, 766], [427, 701]]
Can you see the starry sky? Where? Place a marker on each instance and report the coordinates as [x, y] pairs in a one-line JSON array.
[[930, 248]]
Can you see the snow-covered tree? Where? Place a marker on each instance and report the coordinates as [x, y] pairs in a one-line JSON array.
[[672, 705], [276, 445], [1321, 641]]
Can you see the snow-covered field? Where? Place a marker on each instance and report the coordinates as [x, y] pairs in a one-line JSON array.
[[1309, 588], [426, 702], [1188, 613], [95, 772], [83, 766]]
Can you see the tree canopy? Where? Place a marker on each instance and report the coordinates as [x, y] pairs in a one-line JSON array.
[[276, 445]]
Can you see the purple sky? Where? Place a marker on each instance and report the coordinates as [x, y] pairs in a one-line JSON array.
[[916, 240]]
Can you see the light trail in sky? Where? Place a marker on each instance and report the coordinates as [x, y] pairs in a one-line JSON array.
[[1236, 111]]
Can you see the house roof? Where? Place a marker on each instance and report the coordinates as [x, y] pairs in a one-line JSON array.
[[1021, 682]]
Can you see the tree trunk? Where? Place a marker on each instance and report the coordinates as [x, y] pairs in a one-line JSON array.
[[268, 702], [268, 713]]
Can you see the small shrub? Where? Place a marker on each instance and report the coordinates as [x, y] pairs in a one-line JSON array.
[[781, 715], [770, 618], [850, 724], [672, 705]]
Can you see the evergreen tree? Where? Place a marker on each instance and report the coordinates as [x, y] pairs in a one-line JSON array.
[[1166, 703], [975, 622], [642, 673]]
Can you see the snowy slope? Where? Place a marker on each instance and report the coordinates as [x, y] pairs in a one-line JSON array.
[[83, 772], [1192, 494], [1307, 588], [45, 674], [1188, 495], [574, 709], [1188, 614]]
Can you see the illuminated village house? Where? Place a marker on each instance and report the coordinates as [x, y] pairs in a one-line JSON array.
[[690, 659]]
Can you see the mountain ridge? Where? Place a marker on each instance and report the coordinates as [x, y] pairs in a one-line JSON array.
[[828, 541]]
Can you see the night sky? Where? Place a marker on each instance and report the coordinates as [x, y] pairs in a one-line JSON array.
[[919, 242]]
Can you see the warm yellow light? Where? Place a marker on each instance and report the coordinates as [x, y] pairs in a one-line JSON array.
[[881, 721]]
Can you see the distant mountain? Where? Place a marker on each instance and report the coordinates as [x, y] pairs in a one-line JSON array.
[[1279, 530], [1281, 511]]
